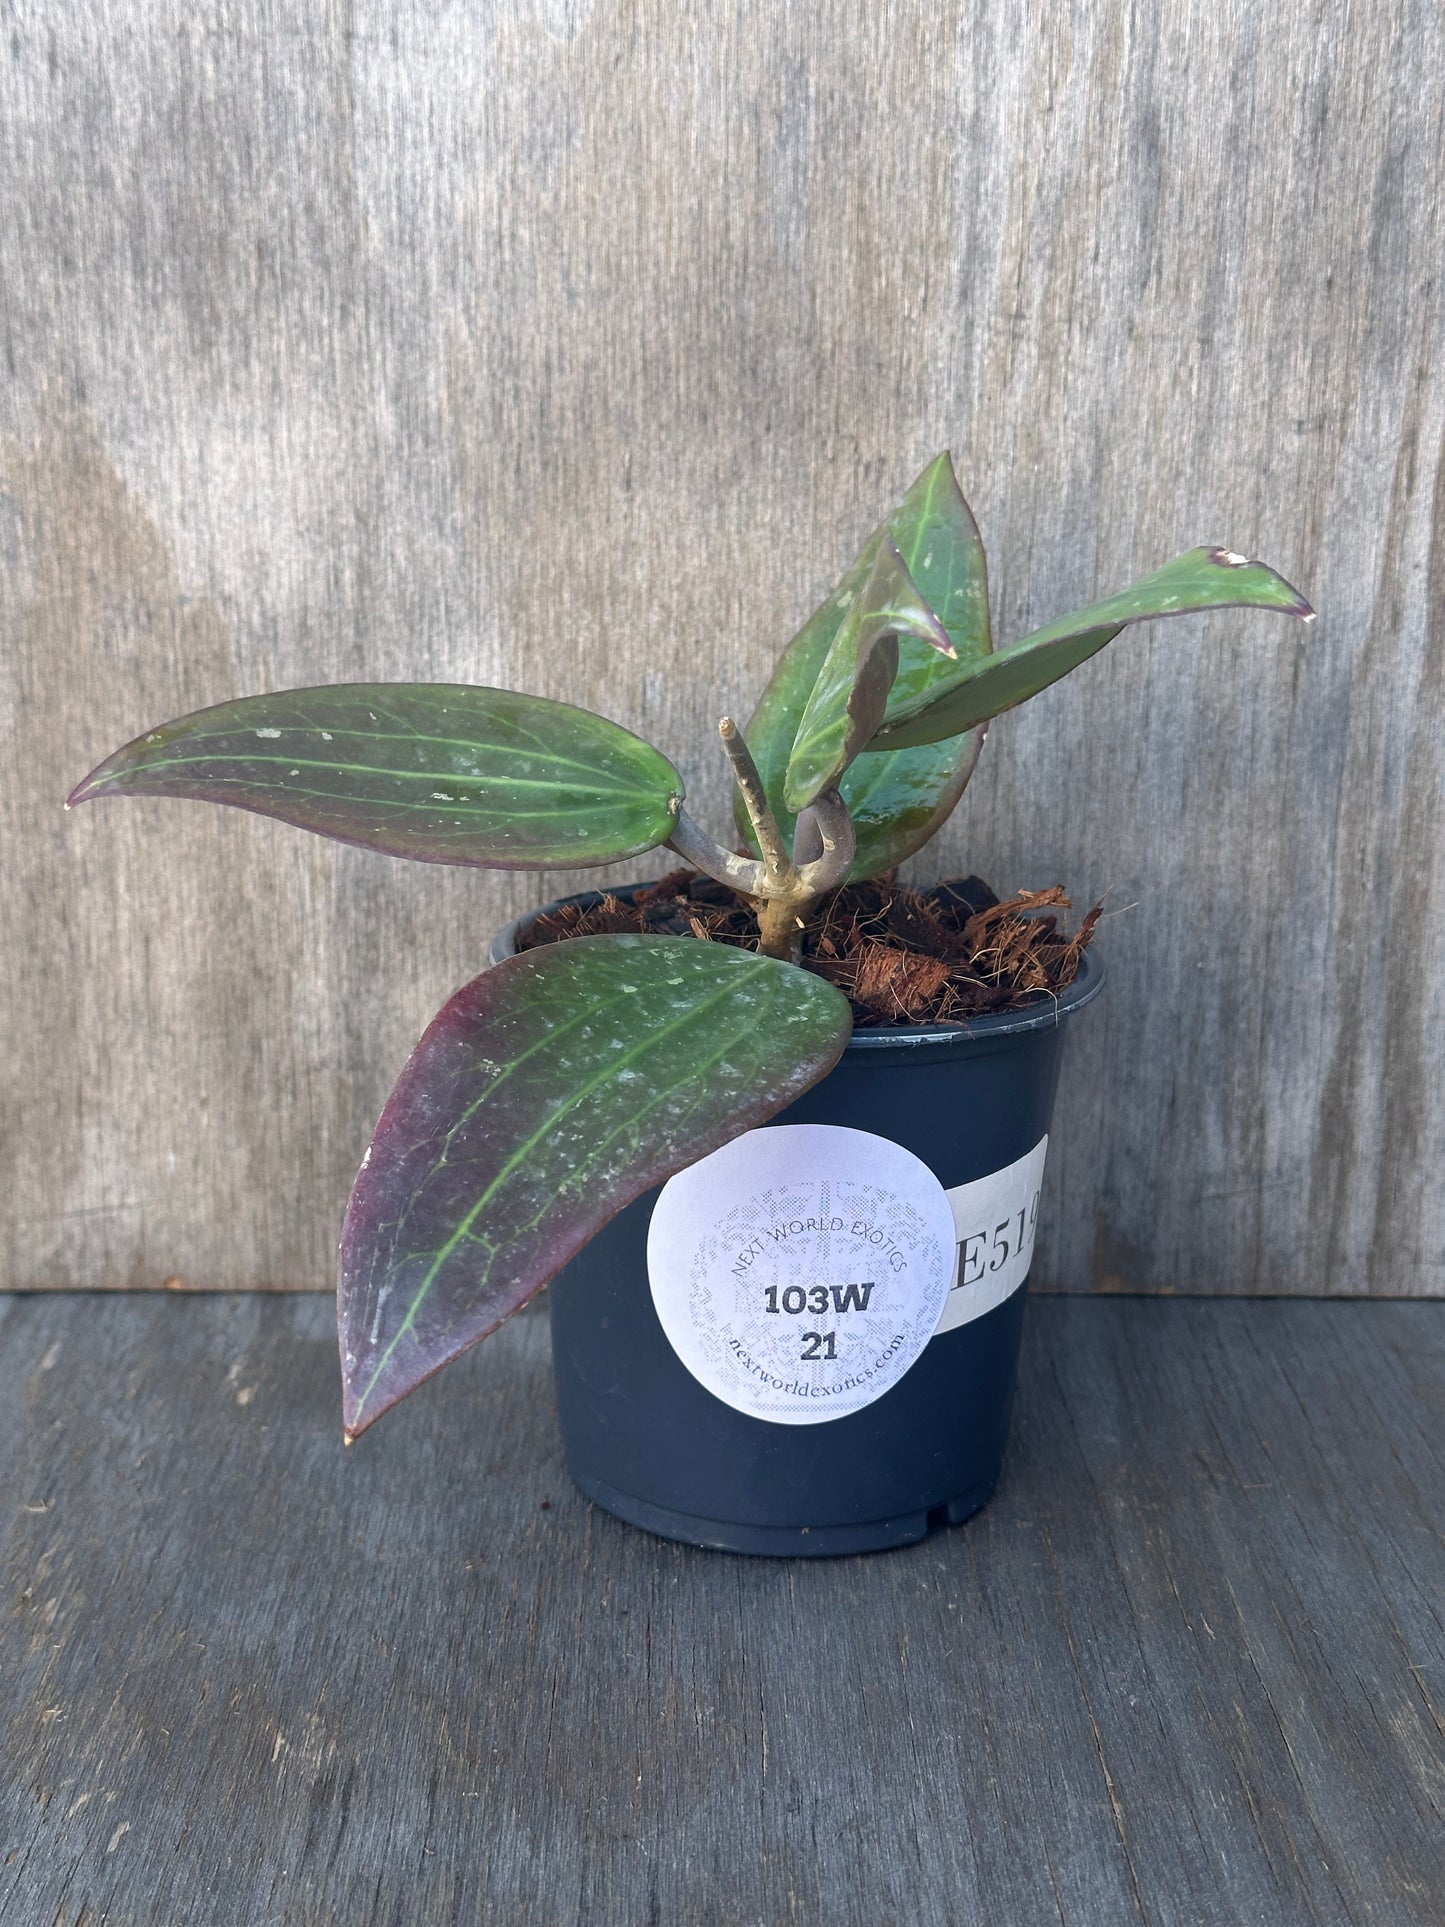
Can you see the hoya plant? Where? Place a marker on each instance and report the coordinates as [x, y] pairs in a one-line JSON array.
[[566, 1080]]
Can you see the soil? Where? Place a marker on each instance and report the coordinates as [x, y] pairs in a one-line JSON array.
[[900, 956]]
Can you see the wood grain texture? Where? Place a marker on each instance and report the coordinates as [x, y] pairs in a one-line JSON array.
[[1188, 1668], [573, 345]]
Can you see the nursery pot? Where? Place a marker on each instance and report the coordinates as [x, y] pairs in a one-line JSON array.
[[733, 1449]]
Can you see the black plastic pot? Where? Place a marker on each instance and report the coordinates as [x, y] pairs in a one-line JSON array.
[[650, 1443]]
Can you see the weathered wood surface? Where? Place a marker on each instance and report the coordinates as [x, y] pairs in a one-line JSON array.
[[1188, 1669], [573, 345]]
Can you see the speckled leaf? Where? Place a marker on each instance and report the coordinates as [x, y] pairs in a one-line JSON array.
[[1204, 578], [548, 1093], [850, 695], [898, 801], [440, 772]]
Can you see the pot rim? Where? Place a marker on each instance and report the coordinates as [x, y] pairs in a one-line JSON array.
[[1046, 1015]]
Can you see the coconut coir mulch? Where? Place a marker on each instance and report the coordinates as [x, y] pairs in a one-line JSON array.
[[900, 956]]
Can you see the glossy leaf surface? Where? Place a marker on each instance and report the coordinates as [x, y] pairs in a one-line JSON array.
[[897, 801], [547, 1094], [440, 772], [850, 696], [1204, 578]]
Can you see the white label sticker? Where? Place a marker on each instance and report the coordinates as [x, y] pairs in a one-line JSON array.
[[996, 1218], [799, 1271]]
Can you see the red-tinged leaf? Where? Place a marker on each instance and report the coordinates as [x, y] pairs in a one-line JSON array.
[[545, 1096], [897, 802], [850, 695], [439, 772], [970, 694]]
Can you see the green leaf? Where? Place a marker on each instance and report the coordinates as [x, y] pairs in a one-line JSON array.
[[850, 695], [545, 1096], [1204, 578], [440, 772], [898, 801]]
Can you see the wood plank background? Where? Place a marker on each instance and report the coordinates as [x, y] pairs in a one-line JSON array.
[[574, 345], [1183, 1671]]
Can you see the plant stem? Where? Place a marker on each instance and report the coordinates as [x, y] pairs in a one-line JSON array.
[[780, 929], [780, 889], [755, 798], [695, 846], [831, 822]]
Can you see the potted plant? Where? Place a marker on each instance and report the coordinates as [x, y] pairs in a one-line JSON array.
[[805, 1340]]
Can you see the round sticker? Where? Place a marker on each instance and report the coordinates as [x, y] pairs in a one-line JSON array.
[[799, 1271]]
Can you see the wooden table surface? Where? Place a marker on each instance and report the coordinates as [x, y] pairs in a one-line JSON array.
[[1187, 1668]]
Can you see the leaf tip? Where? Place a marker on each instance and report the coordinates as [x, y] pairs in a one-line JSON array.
[[1231, 559], [936, 635], [925, 623], [352, 1423]]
